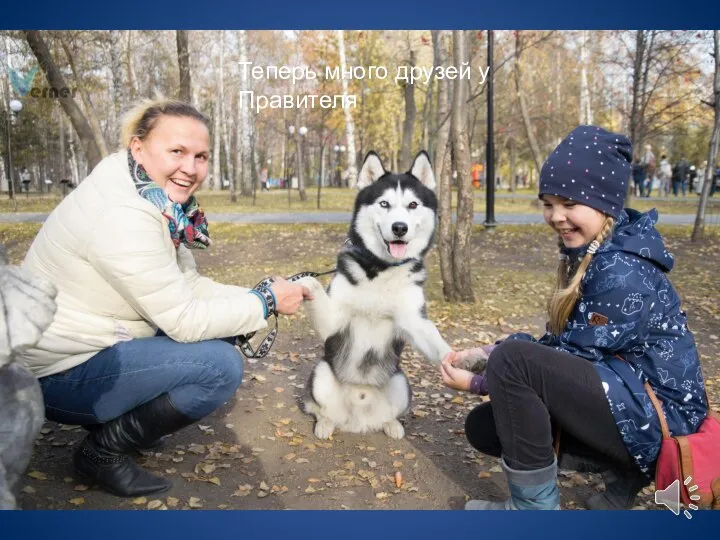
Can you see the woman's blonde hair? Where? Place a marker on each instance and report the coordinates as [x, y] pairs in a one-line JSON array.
[[567, 288], [141, 119]]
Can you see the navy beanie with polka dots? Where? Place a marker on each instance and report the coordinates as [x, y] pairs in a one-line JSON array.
[[591, 166]]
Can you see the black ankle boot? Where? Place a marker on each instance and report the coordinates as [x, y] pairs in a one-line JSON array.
[[621, 489], [582, 463], [104, 455]]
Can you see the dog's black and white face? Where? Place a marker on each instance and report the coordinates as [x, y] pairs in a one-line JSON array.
[[395, 214]]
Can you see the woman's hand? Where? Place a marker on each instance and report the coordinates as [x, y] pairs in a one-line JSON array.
[[453, 377], [289, 296]]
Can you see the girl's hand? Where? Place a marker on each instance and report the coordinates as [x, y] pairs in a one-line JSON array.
[[453, 377], [473, 359]]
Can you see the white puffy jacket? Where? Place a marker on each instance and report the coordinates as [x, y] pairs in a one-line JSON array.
[[119, 276]]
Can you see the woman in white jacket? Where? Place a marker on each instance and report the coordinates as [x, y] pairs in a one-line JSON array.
[[138, 347]]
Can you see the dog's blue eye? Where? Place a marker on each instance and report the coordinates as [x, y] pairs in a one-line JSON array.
[[412, 205], [384, 204]]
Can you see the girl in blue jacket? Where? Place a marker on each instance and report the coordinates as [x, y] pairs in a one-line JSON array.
[[615, 322]]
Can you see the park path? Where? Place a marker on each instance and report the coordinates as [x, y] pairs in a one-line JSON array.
[[340, 217]]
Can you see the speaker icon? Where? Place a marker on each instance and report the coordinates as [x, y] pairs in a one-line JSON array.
[[670, 497]]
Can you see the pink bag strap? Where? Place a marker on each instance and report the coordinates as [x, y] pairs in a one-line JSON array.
[[658, 408]]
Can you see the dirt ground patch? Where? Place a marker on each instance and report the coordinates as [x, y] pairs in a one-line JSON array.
[[259, 452]]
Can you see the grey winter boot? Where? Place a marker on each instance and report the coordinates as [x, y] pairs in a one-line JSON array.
[[621, 489], [529, 490]]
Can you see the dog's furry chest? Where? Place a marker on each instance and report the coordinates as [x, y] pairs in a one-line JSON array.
[[367, 348], [377, 297]]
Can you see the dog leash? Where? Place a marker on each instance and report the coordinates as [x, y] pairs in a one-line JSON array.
[[263, 287], [243, 342]]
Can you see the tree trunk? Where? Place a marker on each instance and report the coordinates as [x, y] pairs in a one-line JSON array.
[[461, 157], [428, 118], [443, 173], [74, 166], [119, 95], [527, 122], [80, 123], [640, 97], [322, 164], [699, 228], [255, 161], [513, 179], [223, 115], [299, 157], [63, 153], [6, 181], [244, 128], [85, 97], [132, 77], [215, 181], [183, 54], [410, 114], [586, 116], [349, 123], [635, 116]]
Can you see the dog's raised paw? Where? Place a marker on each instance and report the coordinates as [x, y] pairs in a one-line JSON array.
[[324, 429], [311, 283], [394, 429]]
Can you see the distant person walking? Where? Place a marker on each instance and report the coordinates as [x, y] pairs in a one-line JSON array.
[[680, 176], [664, 175]]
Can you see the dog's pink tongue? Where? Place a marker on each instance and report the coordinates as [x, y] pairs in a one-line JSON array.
[[398, 249]]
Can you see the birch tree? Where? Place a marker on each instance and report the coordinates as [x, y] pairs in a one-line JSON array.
[[410, 112], [243, 132], [522, 102], [118, 84], [586, 116], [216, 181], [349, 123]]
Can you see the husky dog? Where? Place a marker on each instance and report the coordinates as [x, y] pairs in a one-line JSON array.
[[374, 304]]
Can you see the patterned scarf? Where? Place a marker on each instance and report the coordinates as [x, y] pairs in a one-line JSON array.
[[186, 222]]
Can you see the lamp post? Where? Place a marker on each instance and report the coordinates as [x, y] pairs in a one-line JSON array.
[[490, 152], [15, 107]]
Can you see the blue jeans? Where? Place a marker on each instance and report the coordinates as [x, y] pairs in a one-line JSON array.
[[639, 186], [198, 377], [677, 186]]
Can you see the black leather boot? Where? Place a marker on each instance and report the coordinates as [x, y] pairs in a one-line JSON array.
[[621, 489], [104, 455], [152, 446]]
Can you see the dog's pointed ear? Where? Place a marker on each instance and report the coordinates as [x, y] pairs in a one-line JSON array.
[[372, 169], [422, 170]]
